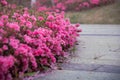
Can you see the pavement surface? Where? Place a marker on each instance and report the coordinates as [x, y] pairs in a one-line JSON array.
[[97, 57]]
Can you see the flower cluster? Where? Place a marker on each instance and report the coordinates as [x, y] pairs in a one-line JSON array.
[[6, 63], [3, 2], [66, 5], [32, 40]]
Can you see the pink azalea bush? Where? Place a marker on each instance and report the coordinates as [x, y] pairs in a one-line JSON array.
[[69, 5], [32, 40]]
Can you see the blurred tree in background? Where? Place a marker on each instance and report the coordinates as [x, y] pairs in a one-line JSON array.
[[62, 5], [30, 3], [26, 3]]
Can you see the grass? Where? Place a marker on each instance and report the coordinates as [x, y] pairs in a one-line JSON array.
[[109, 14]]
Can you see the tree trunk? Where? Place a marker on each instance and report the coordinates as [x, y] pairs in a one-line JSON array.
[[33, 2]]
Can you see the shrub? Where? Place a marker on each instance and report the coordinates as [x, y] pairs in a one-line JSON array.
[[70, 5], [32, 40]]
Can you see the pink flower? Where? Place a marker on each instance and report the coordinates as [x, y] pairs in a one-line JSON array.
[[86, 4], [29, 24], [3, 17], [14, 42], [96, 2], [57, 10], [15, 15], [33, 18], [39, 52], [43, 8], [48, 23], [6, 63], [26, 15], [5, 47], [59, 5], [53, 59], [40, 18], [50, 17], [28, 39], [23, 49], [22, 20], [14, 26], [4, 2], [5, 40]]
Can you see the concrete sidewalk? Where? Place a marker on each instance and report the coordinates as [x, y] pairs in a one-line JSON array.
[[97, 57]]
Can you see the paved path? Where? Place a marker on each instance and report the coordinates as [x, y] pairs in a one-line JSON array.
[[97, 57]]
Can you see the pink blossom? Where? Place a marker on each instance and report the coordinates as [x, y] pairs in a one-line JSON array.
[[96, 2], [5, 47], [4, 17], [15, 15], [6, 63], [33, 18], [86, 4], [14, 42], [50, 17], [53, 59], [2, 31], [14, 26], [40, 18], [59, 5], [57, 10], [4, 2], [43, 8], [23, 49], [39, 52], [22, 20], [28, 39], [26, 15], [5, 40], [29, 24]]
